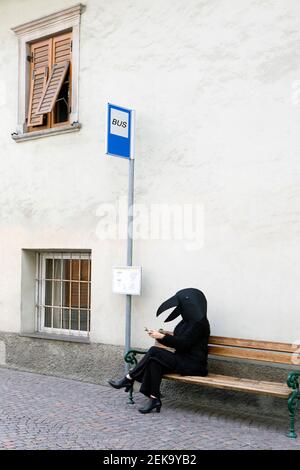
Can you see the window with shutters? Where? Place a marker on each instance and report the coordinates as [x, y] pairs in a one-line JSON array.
[[63, 293], [48, 75], [49, 103]]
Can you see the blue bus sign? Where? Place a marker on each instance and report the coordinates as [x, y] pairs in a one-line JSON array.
[[120, 132]]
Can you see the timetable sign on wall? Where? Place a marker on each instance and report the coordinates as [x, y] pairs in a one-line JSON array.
[[127, 280]]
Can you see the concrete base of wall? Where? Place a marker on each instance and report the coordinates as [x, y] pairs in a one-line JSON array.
[[97, 363]]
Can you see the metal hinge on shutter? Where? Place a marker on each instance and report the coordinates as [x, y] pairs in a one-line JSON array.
[[71, 46], [30, 57]]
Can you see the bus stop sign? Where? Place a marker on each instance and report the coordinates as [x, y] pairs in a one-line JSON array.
[[120, 132]]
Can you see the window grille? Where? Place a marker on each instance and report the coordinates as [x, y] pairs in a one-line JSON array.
[[63, 293]]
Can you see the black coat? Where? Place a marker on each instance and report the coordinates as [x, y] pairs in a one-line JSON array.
[[190, 341]]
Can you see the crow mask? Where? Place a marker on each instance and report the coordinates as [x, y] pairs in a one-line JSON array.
[[189, 303]]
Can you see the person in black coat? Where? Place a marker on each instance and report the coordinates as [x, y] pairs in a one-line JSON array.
[[189, 340]]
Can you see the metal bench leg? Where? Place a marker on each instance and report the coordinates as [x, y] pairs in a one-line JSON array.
[[130, 396], [130, 358], [293, 402]]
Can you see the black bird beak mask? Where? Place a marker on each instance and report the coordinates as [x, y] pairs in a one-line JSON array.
[[189, 303]]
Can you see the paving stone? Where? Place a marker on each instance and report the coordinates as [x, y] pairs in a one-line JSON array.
[[46, 412]]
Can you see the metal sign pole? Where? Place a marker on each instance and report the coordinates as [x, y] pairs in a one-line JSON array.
[[120, 142], [129, 251]]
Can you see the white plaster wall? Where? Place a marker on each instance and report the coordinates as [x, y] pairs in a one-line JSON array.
[[213, 84]]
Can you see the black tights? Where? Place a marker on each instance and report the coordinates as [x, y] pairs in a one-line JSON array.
[[150, 370]]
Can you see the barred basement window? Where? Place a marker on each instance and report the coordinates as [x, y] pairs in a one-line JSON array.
[[63, 293]]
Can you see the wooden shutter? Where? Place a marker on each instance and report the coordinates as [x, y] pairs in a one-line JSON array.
[[61, 58], [52, 89], [40, 64], [85, 286], [72, 273], [62, 48]]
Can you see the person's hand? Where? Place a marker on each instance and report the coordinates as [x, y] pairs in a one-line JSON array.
[[155, 334]]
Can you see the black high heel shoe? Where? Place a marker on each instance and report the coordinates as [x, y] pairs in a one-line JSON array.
[[153, 403], [122, 383]]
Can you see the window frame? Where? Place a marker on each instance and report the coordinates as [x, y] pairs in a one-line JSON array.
[[40, 293], [43, 28], [59, 124], [50, 116]]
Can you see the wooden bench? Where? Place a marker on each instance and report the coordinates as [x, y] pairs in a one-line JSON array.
[[250, 350]]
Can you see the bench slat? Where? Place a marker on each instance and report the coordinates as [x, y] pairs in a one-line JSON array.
[[243, 353], [233, 383], [249, 343], [265, 351]]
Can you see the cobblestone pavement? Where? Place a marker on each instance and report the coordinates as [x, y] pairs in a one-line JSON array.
[[42, 412]]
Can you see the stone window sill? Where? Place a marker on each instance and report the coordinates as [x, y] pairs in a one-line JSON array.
[[74, 127], [68, 338]]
